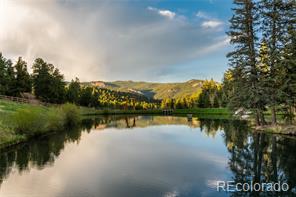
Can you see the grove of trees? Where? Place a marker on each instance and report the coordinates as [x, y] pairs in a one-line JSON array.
[[263, 65]]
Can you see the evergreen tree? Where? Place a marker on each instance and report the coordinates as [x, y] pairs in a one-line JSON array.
[[48, 83], [11, 81], [288, 71], [86, 96], [23, 80], [57, 87], [204, 99], [5, 74], [41, 79], [73, 91], [95, 99], [243, 59], [273, 31]]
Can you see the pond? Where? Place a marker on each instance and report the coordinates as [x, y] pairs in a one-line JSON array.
[[148, 156]]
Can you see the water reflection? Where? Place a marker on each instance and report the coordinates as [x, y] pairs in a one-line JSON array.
[[251, 157]]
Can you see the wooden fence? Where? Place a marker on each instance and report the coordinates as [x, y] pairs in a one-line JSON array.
[[25, 100]]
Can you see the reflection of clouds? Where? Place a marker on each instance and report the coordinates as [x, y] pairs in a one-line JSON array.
[[145, 162], [212, 183], [171, 194], [218, 160]]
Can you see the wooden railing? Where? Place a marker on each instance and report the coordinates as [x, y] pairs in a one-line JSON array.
[[25, 100]]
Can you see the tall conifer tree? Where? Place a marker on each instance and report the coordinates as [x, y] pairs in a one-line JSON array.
[[273, 31], [23, 80], [243, 28]]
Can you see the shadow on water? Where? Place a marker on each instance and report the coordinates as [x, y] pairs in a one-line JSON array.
[[253, 156]]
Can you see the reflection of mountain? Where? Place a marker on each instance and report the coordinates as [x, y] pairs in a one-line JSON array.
[[253, 156]]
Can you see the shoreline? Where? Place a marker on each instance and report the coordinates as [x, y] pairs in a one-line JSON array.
[[202, 113], [205, 113], [288, 130]]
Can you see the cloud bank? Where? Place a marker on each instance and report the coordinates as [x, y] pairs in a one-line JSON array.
[[105, 40]]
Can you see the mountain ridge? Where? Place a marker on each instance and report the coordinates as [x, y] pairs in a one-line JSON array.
[[155, 90]]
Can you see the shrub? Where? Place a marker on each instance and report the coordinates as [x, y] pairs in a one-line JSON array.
[[29, 121], [55, 119], [37, 120], [71, 115]]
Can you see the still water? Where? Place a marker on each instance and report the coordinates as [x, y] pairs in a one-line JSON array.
[[147, 156]]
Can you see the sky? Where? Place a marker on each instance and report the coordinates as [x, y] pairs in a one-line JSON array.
[[140, 40]]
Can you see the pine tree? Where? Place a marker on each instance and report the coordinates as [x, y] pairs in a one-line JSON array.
[[288, 63], [5, 77], [243, 60], [23, 80], [73, 91], [273, 31], [86, 96], [11, 81], [48, 83], [57, 89]]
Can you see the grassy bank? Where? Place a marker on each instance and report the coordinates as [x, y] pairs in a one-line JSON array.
[[19, 122]]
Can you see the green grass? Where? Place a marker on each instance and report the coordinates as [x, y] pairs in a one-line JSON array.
[[7, 134], [8, 106], [18, 122]]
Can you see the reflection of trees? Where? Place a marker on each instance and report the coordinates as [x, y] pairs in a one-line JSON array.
[[43, 151], [131, 121], [256, 157], [130, 124], [253, 156], [36, 153], [263, 159], [210, 127]]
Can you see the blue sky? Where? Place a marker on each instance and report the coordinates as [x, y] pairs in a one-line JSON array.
[[165, 40]]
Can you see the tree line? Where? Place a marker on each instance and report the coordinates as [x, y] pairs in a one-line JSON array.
[[262, 74], [48, 85]]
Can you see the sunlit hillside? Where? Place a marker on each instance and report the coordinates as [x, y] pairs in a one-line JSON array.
[[154, 90]]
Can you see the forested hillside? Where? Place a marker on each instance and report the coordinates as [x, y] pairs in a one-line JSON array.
[[191, 88]]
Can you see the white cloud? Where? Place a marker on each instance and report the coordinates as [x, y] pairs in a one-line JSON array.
[[208, 21], [102, 40], [212, 24], [166, 13], [202, 15]]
